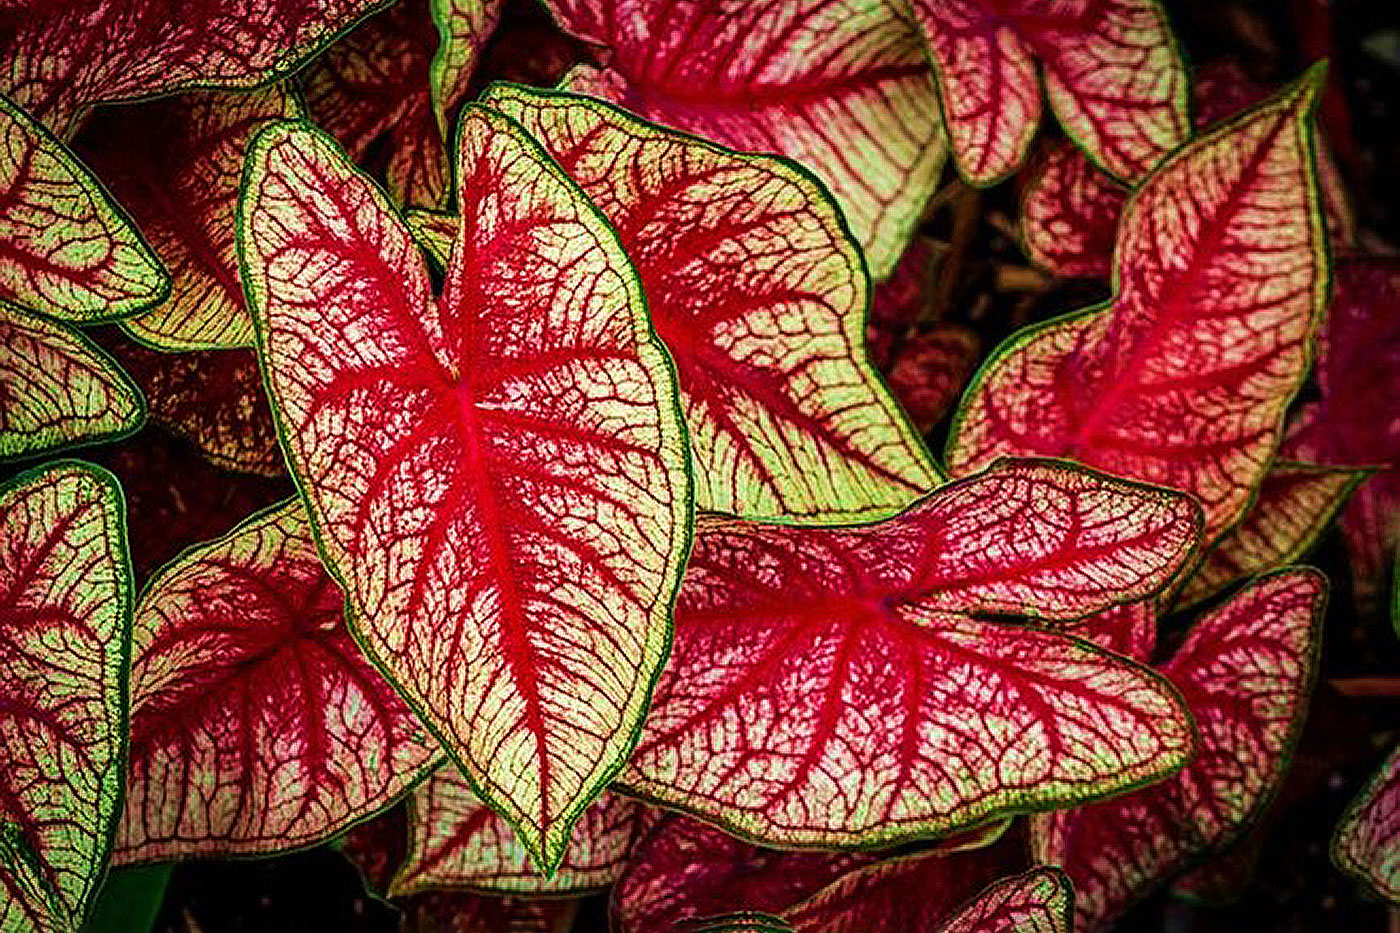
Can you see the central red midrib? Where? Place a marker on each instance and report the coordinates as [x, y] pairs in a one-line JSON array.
[[518, 652]]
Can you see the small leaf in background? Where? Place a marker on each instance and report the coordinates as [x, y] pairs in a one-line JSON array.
[[899, 303], [1112, 72], [1358, 371], [65, 641], [931, 370], [257, 725], [57, 389], [1225, 238], [1367, 841], [456, 841], [66, 249], [499, 476], [839, 687], [64, 57], [463, 29], [1246, 671], [1040, 901], [841, 87], [182, 193], [755, 287], [1295, 504]]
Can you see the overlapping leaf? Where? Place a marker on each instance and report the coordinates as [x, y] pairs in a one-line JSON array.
[[1184, 377], [498, 476], [456, 841], [463, 27], [182, 193], [1112, 72], [1367, 841], [257, 724], [950, 899], [1359, 374], [1295, 504], [65, 640], [1246, 671], [930, 371], [839, 687], [65, 249], [64, 57], [1129, 630], [760, 296], [57, 389], [842, 87]]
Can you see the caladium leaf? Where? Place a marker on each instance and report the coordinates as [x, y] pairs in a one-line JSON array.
[[66, 249], [1367, 841], [838, 687], [759, 294], [930, 371], [682, 869], [843, 88], [1129, 630], [1246, 670], [499, 476], [65, 641], [1113, 75], [212, 398], [182, 193], [951, 899], [1360, 361], [463, 27], [898, 304], [57, 389], [1295, 504], [371, 90], [65, 57], [742, 922], [257, 724], [1154, 385], [456, 841]]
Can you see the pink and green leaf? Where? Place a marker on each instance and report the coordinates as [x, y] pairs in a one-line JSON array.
[[57, 389], [1129, 630], [497, 476], [182, 193], [456, 841], [65, 642], [1246, 671], [1225, 238], [65, 57], [66, 249], [1040, 901], [1295, 504], [756, 289], [212, 398], [930, 371], [463, 28], [841, 686], [842, 87], [1367, 841], [1112, 73], [257, 725]]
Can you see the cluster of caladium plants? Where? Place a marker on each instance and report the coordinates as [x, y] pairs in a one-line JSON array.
[[551, 510]]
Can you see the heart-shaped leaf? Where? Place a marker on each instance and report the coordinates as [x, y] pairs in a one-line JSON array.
[[498, 476], [57, 389], [1367, 841], [840, 687], [1223, 239], [456, 841], [257, 724], [1296, 502], [754, 286], [212, 398], [842, 87], [64, 57], [65, 642], [1246, 671], [182, 193], [1112, 71], [66, 249]]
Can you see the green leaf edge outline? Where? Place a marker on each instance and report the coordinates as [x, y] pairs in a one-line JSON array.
[[1340, 847], [945, 826], [1308, 88], [156, 277], [113, 782], [546, 857], [119, 381], [198, 551]]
